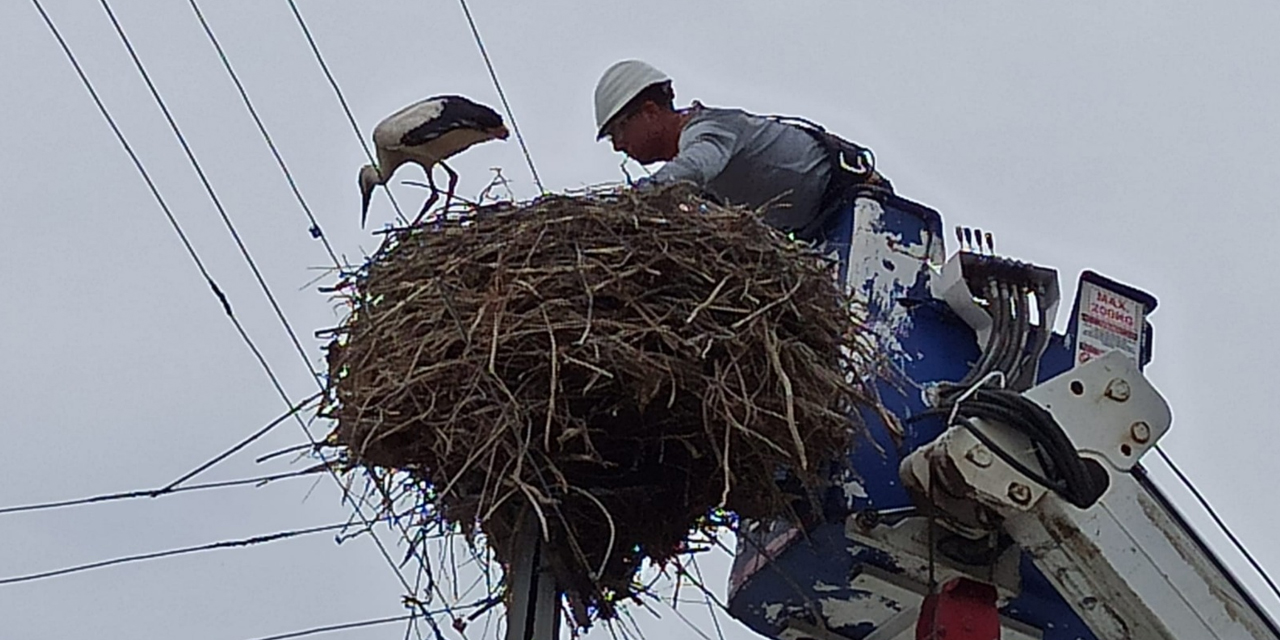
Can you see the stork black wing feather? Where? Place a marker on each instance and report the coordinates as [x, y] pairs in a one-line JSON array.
[[457, 113]]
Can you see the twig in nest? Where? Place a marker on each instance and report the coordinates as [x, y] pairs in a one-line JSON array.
[[788, 397]]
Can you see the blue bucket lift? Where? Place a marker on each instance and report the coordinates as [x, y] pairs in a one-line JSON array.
[[968, 523]]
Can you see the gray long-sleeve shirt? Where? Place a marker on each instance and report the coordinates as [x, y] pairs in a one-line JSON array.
[[745, 159]]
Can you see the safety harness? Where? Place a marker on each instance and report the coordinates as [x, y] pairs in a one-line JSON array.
[[853, 170]]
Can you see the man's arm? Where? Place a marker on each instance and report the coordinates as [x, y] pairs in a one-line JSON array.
[[705, 149]]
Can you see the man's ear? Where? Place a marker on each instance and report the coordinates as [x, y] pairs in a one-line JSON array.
[[650, 110]]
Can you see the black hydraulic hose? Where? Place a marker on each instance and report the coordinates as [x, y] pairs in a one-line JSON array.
[[1065, 472], [1038, 424], [1049, 452], [1054, 485], [1030, 369], [1015, 334], [1024, 334], [983, 364], [1010, 334]]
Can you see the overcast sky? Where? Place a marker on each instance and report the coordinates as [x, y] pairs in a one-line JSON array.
[[1137, 139]]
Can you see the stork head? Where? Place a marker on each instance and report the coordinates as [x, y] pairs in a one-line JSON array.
[[370, 177]]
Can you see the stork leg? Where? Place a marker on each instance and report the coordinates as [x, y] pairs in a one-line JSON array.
[[431, 199], [453, 184]]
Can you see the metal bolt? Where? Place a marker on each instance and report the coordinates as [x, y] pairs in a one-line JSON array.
[[1140, 431], [1089, 603], [1118, 389], [1019, 493], [979, 455], [867, 519]]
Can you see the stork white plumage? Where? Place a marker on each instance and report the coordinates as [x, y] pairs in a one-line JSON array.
[[428, 132]]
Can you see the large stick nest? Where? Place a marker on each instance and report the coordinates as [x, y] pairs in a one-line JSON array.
[[608, 368]]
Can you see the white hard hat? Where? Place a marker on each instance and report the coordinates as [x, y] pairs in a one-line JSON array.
[[619, 84]]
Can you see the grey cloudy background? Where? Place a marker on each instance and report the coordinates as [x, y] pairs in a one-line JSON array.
[[1134, 138]]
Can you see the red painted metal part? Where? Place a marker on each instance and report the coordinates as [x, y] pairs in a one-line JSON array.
[[961, 610]]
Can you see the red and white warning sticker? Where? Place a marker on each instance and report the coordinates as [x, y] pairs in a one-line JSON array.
[[1106, 321]]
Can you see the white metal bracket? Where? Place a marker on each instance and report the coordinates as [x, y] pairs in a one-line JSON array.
[[1107, 408]]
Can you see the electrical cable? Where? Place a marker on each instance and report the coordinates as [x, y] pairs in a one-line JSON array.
[[164, 206], [345, 107], [339, 627], [1029, 368], [982, 366], [314, 229], [1000, 326], [225, 544], [707, 597], [1222, 526], [195, 257], [1009, 458], [217, 203], [501, 95], [204, 180], [1023, 321], [687, 622], [1053, 447], [1000, 361], [370, 623], [155, 191], [157, 492], [200, 266], [1030, 335], [1021, 326], [333, 83], [293, 411], [1065, 472]]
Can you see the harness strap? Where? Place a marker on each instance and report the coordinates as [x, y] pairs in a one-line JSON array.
[[852, 170]]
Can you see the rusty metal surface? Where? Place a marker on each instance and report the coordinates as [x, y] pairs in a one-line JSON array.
[[1131, 570]]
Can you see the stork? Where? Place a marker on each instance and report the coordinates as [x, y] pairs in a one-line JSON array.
[[428, 132]]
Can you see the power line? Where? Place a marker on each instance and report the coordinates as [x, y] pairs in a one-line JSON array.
[[355, 127], [706, 595], [343, 101], [156, 493], [371, 623], [244, 96], [204, 180], [293, 411], [501, 95], [271, 375], [225, 544], [339, 627], [244, 251], [151, 185], [1218, 520], [191, 251], [204, 272], [687, 622]]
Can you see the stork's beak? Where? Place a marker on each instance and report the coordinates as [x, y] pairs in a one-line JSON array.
[[368, 180], [364, 208]]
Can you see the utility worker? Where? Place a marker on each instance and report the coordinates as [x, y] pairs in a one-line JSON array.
[[799, 172]]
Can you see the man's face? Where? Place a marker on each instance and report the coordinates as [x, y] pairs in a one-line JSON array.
[[639, 134]]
